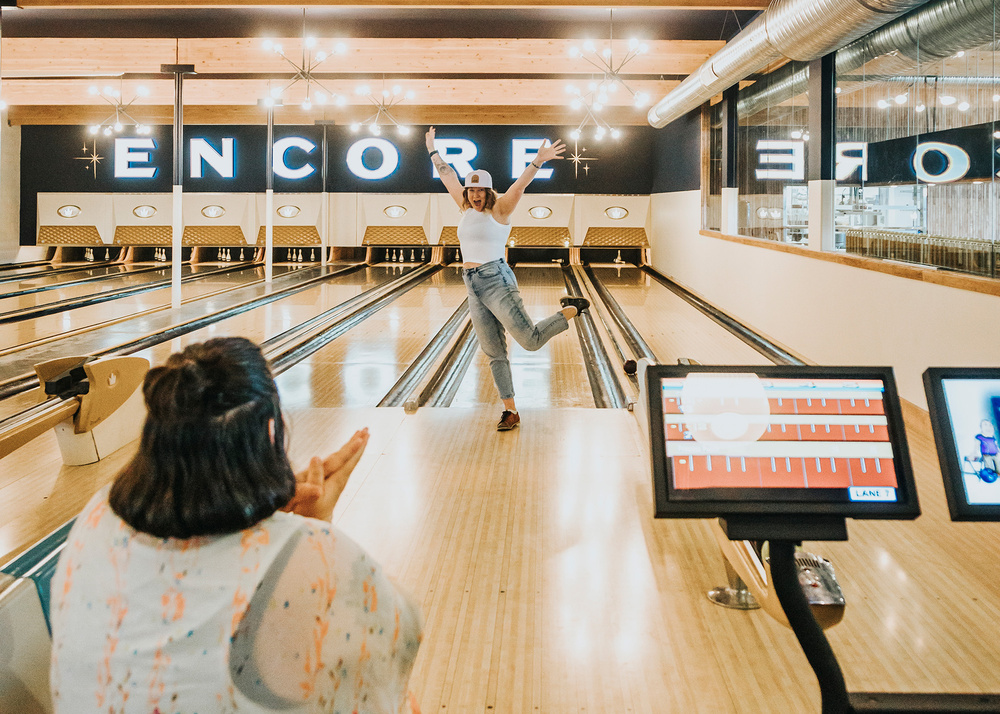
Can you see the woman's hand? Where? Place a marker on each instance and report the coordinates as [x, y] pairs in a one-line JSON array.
[[550, 151], [429, 139], [318, 487]]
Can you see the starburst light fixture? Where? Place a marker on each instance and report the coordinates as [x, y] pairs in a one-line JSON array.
[[606, 82], [311, 59], [383, 102], [116, 122]]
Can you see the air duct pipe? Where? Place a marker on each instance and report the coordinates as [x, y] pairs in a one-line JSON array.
[[934, 32], [796, 29]]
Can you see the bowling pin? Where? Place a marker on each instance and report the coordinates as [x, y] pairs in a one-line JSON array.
[[312, 255], [241, 255], [299, 256], [423, 254], [413, 256]]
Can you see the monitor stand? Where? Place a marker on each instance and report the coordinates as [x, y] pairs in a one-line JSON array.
[[783, 534]]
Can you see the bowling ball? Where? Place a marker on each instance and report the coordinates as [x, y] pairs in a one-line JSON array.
[[988, 475], [630, 366]]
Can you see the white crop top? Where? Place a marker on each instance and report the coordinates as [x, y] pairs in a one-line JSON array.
[[481, 238]]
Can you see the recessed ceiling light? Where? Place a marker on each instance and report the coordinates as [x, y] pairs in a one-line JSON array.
[[288, 211], [68, 211], [394, 211], [213, 211], [144, 211], [539, 212], [615, 213]]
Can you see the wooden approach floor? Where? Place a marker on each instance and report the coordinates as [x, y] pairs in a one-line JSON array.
[[545, 582], [547, 586]]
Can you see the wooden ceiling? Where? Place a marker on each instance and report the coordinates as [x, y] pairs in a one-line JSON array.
[[465, 63]]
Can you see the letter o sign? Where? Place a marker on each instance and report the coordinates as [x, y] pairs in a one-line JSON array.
[[956, 162], [390, 158]]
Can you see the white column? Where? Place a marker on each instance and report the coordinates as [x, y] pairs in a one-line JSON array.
[[324, 222], [268, 235], [730, 222], [175, 246], [821, 210]]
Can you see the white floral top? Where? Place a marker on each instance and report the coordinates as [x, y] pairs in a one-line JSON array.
[[165, 626]]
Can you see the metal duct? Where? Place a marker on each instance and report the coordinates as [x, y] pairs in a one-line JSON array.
[[796, 29], [931, 33]]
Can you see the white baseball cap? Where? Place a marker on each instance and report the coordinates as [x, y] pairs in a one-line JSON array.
[[479, 179]]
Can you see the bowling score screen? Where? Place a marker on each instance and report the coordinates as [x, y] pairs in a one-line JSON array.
[[783, 441]]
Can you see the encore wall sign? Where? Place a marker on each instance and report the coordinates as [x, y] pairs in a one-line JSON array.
[[232, 159]]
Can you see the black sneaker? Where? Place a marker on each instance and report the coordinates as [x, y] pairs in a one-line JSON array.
[[508, 420], [580, 303]]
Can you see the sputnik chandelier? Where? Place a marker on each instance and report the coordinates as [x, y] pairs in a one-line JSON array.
[[383, 102], [114, 123], [304, 69], [607, 81]]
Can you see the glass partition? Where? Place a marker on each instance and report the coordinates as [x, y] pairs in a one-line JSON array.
[[712, 215], [771, 158], [917, 133]]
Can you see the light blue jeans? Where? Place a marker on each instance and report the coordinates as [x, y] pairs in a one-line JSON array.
[[495, 305]]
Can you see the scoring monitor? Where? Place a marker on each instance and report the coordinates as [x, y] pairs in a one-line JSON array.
[[964, 404], [778, 440]]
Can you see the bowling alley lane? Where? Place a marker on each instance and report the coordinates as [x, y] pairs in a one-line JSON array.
[[258, 324], [24, 331], [27, 278], [554, 376], [671, 326], [118, 280], [359, 367]]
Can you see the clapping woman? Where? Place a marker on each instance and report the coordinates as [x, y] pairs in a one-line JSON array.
[[209, 578]]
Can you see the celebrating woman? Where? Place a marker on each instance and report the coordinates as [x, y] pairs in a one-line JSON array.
[[495, 303], [189, 587]]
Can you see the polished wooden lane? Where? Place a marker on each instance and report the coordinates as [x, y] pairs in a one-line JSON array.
[[26, 278], [672, 327], [26, 331], [553, 376], [361, 366], [258, 325]]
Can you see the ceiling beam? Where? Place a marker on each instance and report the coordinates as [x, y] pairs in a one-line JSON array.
[[545, 115]]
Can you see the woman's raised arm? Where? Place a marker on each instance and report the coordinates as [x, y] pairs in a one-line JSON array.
[[448, 176], [508, 202]]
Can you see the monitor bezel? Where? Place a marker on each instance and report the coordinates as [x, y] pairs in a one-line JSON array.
[[907, 506], [944, 439]]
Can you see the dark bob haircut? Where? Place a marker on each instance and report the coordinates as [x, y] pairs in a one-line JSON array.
[[212, 456]]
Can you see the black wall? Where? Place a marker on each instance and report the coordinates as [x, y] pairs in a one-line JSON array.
[[678, 155]]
